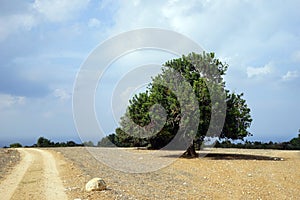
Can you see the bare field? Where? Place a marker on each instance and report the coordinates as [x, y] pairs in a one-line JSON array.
[[223, 174]]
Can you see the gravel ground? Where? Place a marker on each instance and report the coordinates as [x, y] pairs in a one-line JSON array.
[[8, 159], [223, 174]]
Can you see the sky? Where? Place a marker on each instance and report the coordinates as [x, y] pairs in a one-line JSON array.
[[43, 44]]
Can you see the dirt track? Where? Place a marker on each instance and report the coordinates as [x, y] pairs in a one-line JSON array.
[[35, 177]]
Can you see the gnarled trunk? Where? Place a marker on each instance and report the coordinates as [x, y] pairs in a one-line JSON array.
[[190, 152]]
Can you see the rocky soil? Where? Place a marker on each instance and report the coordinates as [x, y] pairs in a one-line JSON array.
[[223, 174], [8, 159]]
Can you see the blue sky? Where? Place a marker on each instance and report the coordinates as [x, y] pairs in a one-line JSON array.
[[43, 44]]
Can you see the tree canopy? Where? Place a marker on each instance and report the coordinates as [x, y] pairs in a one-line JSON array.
[[15, 145], [186, 97]]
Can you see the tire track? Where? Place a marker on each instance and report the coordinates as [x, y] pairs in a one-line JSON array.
[[11, 182], [54, 188], [35, 177]]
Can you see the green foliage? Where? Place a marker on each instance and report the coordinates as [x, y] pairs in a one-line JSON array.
[[197, 71], [160, 140], [293, 144], [44, 142], [122, 139], [88, 144], [108, 141], [238, 118], [71, 144], [15, 145]]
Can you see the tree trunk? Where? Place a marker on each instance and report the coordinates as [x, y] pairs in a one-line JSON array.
[[190, 152]]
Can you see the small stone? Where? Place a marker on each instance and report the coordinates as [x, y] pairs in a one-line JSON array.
[[249, 175], [95, 184]]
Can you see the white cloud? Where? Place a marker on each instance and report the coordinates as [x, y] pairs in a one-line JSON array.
[[134, 14], [16, 22], [94, 23], [290, 75], [62, 94], [7, 100], [52, 10], [181, 15], [259, 71], [59, 10]]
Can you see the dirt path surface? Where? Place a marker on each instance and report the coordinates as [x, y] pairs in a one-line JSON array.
[[34, 177]]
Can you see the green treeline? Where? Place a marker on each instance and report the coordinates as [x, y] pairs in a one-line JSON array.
[[111, 141], [44, 142], [293, 144]]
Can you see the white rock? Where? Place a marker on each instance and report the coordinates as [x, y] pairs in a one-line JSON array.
[[95, 184]]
